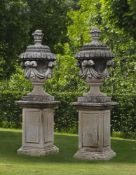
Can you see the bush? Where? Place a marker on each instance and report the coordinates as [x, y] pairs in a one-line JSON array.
[[10, 113], [66, 118], [65, 115], [124, 115]]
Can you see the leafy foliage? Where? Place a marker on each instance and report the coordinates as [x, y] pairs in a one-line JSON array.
[[66, 118], [66, 25], [123, 116], [66, 74], [19, 18], [122, 13], [14, 29], [51, 17]]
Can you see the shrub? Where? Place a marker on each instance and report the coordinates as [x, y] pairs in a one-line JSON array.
[[10, 113], [66, 118], [65, 115], [124, 115]]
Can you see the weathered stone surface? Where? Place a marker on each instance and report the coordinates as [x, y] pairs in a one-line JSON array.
[[94, 99], [94, 59], [94, 107], [94, 133], [38, 106], [38, 98], [38, 132], [38, 151], [80, 105], [84, 154], [38, 62]]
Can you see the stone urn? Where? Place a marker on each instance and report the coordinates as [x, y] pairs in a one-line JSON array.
[[38, 106], [94, 107]]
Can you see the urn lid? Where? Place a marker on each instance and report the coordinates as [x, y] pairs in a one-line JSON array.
[[38, 51], [95, 49]]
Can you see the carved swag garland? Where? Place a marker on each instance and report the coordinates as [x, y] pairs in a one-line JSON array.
[[31, 71], [88, 71]]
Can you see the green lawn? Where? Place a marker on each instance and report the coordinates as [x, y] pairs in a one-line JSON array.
[[64, 163]]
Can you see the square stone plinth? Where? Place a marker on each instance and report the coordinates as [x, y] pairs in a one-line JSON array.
[[94, 132], [38, 132]]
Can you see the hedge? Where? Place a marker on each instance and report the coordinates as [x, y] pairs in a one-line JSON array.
[[10, 113], [123, 117], [65, 116]]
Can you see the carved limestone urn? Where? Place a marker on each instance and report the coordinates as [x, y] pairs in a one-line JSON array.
[[94, 107], [94, 59], [38, 107], [38, 62]]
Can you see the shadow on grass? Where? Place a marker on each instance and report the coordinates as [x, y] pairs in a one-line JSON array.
[[10, 141]]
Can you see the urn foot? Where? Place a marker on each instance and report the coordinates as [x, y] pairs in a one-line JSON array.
[[83, 154], [38, 151]]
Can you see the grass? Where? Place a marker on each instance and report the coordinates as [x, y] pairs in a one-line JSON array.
[[64, 163]]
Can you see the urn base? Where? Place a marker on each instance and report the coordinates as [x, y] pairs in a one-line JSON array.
[[38, 151], [84, 154]]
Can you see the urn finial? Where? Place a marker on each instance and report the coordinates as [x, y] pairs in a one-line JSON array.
[[95, 34], [38, 36]]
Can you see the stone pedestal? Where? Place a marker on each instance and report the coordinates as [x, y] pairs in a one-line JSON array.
[[94, 61], [38, 106], [94, 131], [38, 128]]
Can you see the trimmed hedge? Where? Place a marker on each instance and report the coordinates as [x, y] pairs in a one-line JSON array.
[[66, 115], [10, 113], [66, 118], [124, 115]]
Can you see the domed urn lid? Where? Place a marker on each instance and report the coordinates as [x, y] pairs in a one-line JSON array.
[[37, 51], [96, 49]]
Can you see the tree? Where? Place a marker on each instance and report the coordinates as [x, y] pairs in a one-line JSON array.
[[19, 18], [97, 13], [14, 29], [122, 13], [51, 17]]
